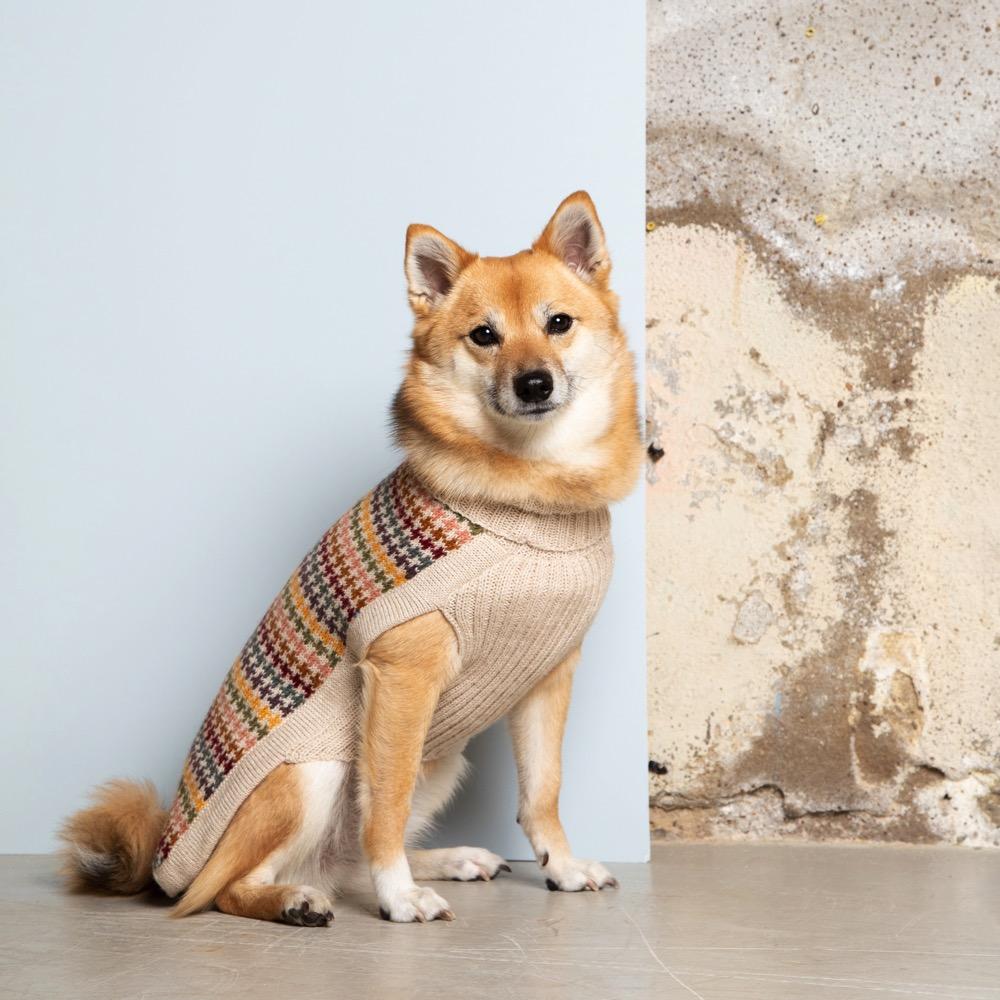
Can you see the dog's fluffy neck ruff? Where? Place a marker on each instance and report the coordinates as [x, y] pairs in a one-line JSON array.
[[456, 462]]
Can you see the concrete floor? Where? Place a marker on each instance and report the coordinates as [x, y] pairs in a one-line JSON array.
[[780, 922]]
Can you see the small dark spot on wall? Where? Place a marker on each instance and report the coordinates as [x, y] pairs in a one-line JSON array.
[[655, 452], [826, 428], [990, 805], [930, 773], [904, 441], [865, 531], [655, 767]]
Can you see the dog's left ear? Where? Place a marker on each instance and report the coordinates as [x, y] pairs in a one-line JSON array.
[[432, 264], [575, 235]]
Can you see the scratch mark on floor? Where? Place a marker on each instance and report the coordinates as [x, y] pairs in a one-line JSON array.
[[517, 945], [659, 961]]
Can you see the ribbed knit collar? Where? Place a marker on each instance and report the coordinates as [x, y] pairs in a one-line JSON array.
[[554, 532], [558, 532]]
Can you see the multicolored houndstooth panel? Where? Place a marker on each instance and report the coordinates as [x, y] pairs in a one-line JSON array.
[[384, 540]]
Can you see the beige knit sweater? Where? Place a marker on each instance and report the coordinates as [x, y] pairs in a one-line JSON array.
[[519, 588]]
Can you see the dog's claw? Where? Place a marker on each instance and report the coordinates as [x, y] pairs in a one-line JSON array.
[[446, 915], [591, 885]]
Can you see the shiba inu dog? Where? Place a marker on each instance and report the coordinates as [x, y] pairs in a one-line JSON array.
[[455, 593]]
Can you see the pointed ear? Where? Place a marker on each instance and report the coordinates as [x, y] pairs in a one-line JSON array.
[[432, 264], [575, 235]]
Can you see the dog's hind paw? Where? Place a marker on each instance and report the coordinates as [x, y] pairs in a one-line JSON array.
[[474, 864], [460, 864], [307, 907]]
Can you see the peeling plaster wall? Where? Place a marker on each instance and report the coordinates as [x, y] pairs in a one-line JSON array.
[[823, 370]]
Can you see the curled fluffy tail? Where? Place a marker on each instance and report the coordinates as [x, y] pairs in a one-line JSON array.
[[110, 845]]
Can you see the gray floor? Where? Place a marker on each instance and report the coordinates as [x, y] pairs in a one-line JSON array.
[[711, 921]]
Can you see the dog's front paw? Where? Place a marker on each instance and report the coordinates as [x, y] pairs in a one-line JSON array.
[[575, 875], [417, 904]]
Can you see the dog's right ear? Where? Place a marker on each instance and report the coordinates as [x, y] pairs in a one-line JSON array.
[[432, 265]]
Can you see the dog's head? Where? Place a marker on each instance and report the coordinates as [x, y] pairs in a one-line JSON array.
[[521, 355]]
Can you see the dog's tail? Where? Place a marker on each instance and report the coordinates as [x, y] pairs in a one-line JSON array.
[[111, 844]]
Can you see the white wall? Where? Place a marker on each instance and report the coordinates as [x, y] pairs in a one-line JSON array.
[[203, 321]]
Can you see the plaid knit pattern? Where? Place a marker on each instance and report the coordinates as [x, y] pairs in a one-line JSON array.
[[384, 540]]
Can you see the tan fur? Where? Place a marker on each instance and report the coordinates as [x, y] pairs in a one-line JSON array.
[[463, 443], [454, 459], [405, 671], [262, 824], [536, 725], [246, 898], [110, 845]]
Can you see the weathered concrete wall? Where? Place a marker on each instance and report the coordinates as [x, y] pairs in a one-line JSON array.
[[824, 368]]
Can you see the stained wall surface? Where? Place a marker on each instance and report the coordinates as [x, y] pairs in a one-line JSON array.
[[823, 320]]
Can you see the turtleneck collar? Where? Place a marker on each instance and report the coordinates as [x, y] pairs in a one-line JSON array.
[[559, 531]]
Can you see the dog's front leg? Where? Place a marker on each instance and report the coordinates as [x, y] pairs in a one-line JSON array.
[[536, 727], [404, 673]]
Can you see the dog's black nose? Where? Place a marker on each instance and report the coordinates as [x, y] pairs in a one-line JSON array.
[[533, 387]]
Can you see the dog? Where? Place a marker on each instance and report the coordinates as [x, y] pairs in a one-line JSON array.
[[455, 593]]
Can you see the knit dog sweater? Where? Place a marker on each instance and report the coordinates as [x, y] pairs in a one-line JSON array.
[[519, 588]]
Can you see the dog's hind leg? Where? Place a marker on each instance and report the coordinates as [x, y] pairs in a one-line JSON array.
[[288, 904], [272, 848]]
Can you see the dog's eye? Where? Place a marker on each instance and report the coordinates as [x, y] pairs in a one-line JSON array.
[[484, 336], [559, 323]]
